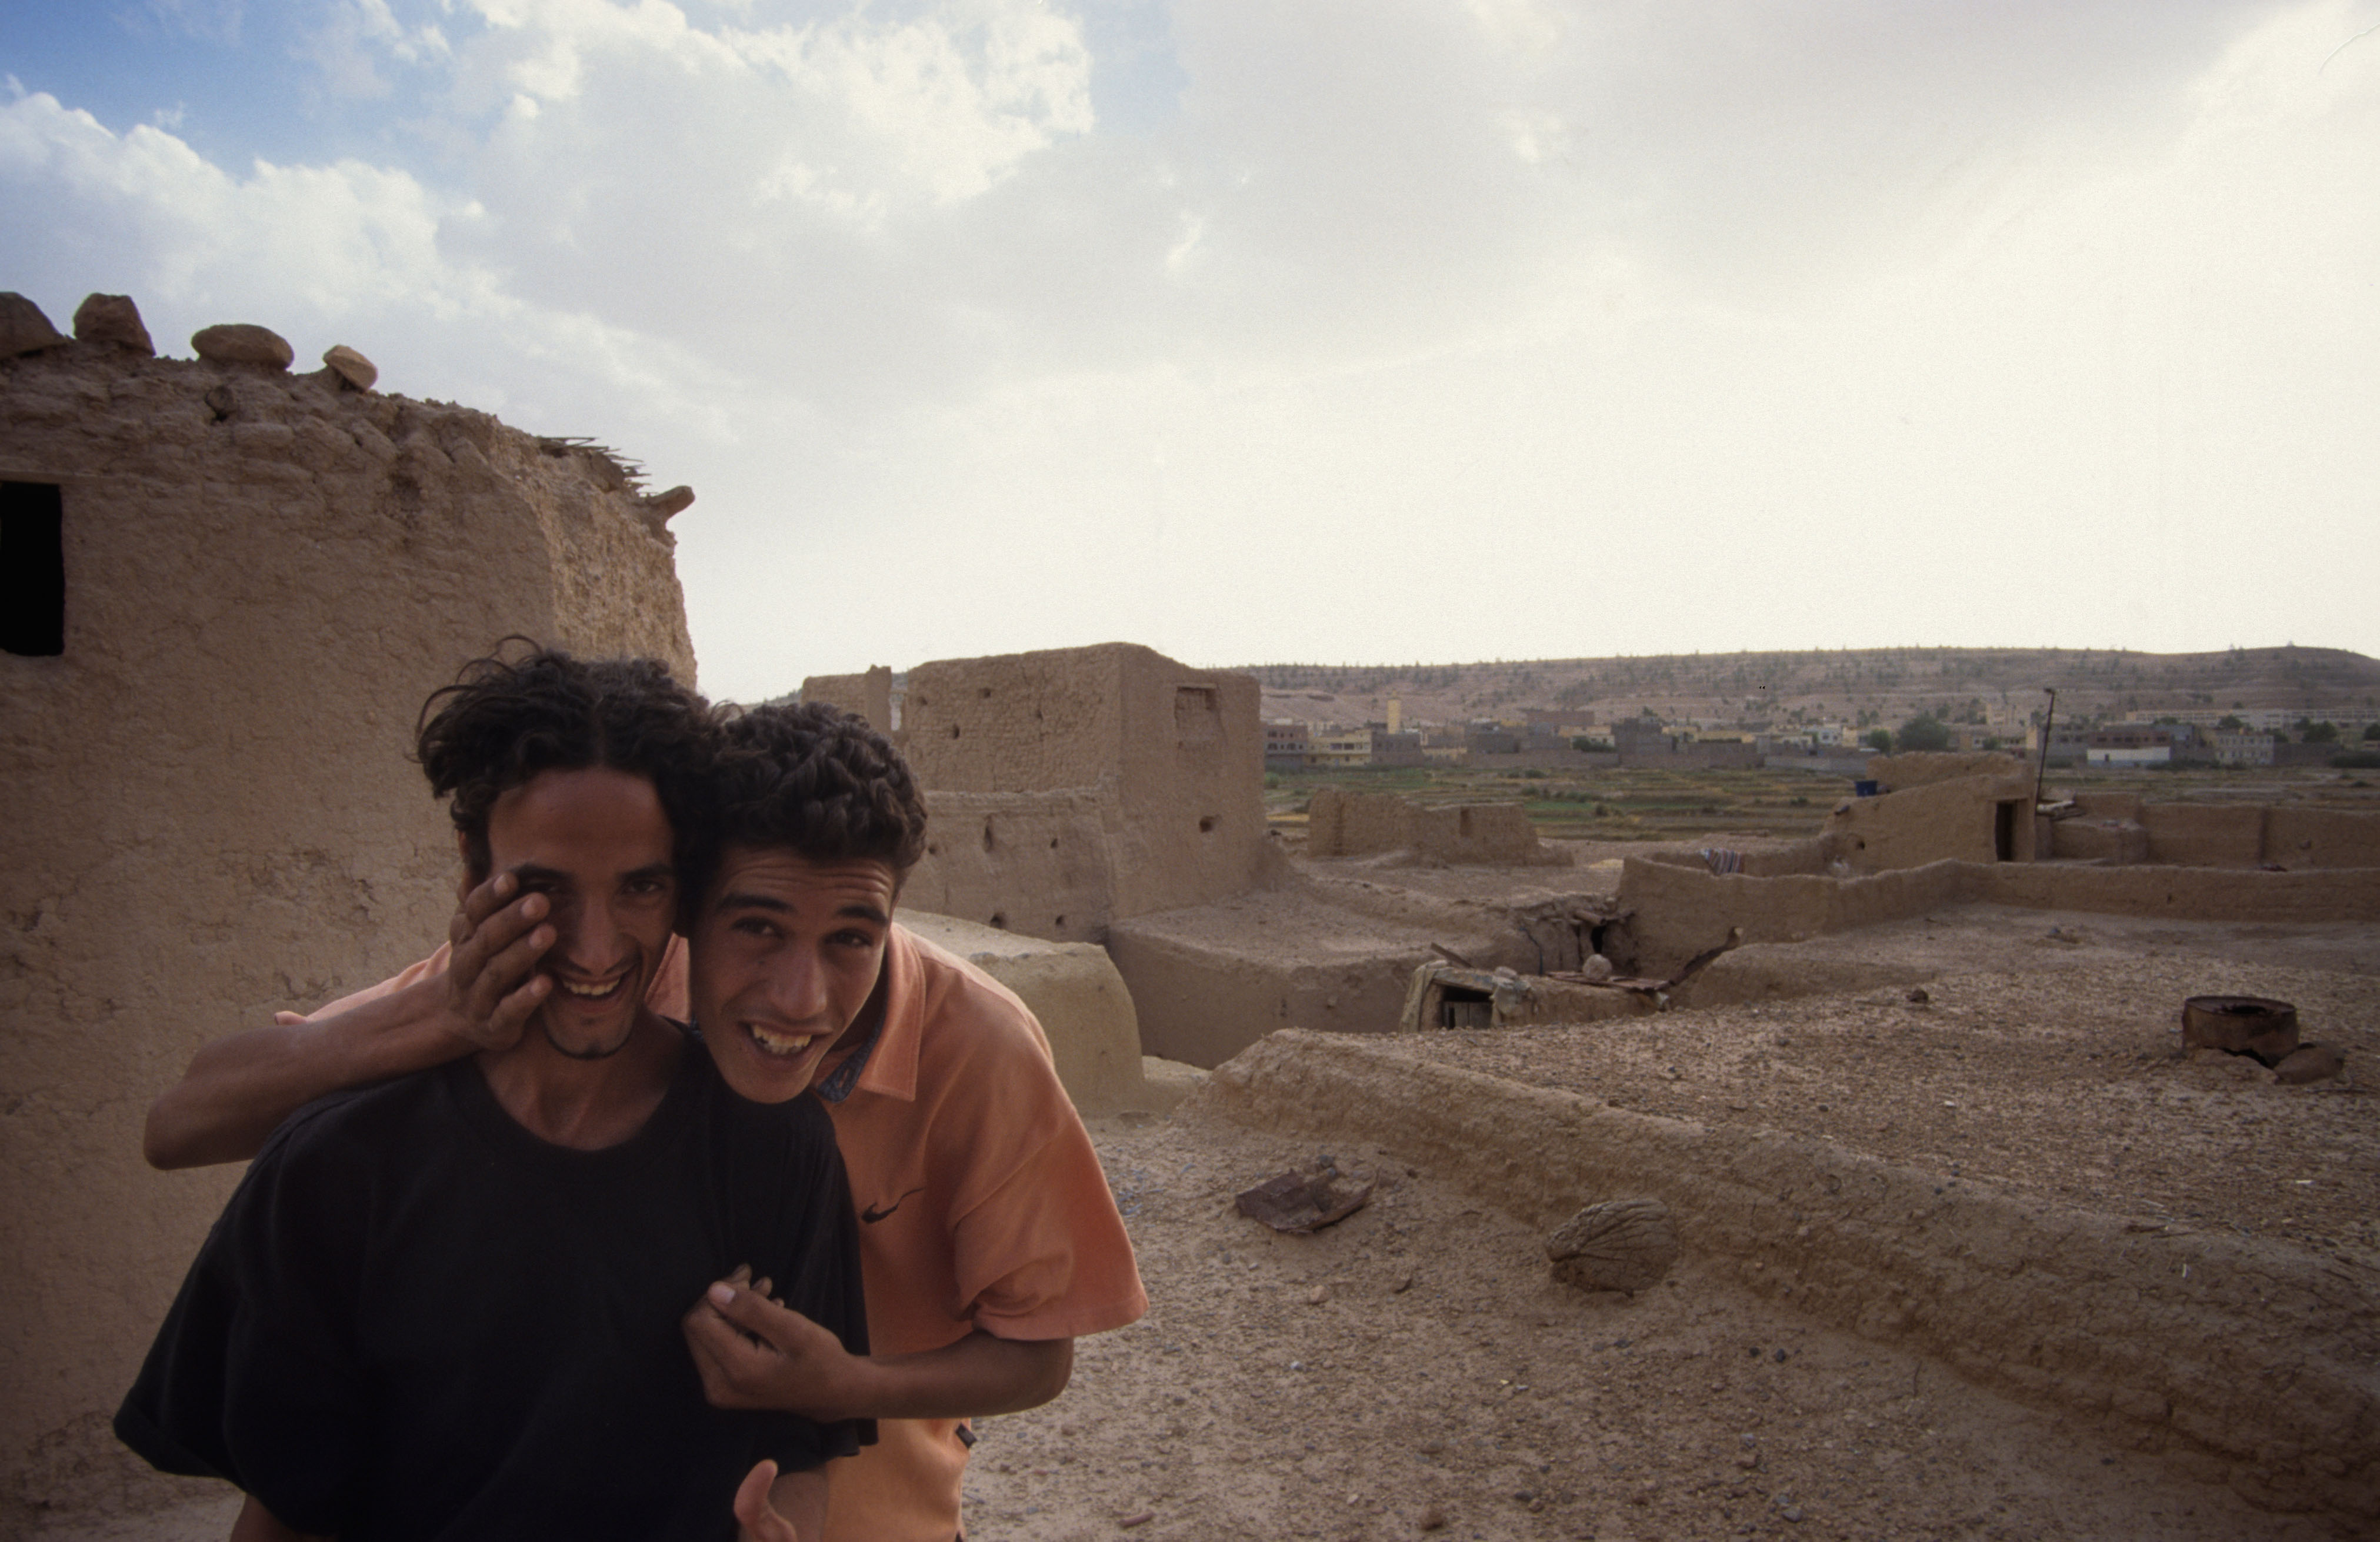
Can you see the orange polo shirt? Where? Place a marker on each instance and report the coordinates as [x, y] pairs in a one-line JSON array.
[[981, 1205]]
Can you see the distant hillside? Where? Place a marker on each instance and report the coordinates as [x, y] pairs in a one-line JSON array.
[[1887, 686]]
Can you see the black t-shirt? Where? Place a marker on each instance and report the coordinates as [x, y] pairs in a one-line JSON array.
[[415, 1319]]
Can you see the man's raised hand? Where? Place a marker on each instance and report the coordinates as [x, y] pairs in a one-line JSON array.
[[492, 983]]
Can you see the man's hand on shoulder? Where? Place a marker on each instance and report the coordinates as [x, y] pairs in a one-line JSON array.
[[491, 984], [753, 1352]]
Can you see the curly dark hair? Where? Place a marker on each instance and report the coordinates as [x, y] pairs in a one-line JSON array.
[[816, 779], [506, 720]]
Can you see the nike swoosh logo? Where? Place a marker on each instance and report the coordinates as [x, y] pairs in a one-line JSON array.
[[872, 1215]]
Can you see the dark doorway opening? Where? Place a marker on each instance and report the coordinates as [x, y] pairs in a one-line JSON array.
[[2004, 831], [32, 570], [1460, 1008]]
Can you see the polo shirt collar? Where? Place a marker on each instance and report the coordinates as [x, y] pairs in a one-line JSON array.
[[887, 1063]]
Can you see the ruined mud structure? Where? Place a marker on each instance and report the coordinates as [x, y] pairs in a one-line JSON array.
[[211, 815], [1361, 824], [1074, 789], [2249, 1362]]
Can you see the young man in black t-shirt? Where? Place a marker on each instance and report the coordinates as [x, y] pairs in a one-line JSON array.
[[448, 1306]]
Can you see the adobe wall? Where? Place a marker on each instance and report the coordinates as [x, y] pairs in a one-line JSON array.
[[1170, 759], [2204, 835], [1034, 863], [2111, 841], [2299, 837], [1023, 723], [1202, 997], [869, 694], [1359, 824], [1932, 821], [2218, 835], [211, 815], [1677, 912]]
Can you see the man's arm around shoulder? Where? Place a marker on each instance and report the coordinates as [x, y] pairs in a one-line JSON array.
[[240, 1087]]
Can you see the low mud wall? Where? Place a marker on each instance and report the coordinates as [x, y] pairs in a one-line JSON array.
[[2203, 834], [1202, 1000], [2125, 828], [2322, 838], [1678, 912], [2259, 1358]]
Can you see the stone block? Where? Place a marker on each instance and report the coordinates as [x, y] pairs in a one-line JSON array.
[[112, 319], [23, 328], [240, 342]]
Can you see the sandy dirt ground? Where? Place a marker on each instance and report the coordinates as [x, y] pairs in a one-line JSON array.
[[1415, 1372]]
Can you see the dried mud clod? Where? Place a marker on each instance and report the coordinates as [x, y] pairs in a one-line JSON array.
[[2308, 1063], [1621, 1244]]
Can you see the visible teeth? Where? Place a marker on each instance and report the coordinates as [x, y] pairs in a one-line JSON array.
[[578, 990], [780, 1043]]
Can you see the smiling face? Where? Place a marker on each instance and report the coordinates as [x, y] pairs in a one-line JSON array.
[[785, 955], [597, 845]]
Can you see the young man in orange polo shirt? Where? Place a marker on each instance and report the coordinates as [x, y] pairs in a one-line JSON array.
[[988, 1240]]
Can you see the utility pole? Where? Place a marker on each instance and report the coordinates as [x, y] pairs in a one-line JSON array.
[[2041, 767]]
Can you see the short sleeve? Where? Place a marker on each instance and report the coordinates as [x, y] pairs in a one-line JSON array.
[[252, 1378], [1037, 1247], [1045, 1254]]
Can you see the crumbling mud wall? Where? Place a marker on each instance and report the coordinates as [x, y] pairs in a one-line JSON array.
[[2203, 834], [1038, 863], [1020, 754], [1967, 819], [1676, 912], [1204, 989], [2298, 837], [212, 814], [869, 694], [2295, 837], [1361, 824], [2260, 1359]]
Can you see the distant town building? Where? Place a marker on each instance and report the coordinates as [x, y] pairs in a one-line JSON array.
[[2129, 744], [2242, 748], [1371, 745], [1287, 745]]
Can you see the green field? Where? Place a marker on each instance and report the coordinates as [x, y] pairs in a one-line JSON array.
[[1665, 805]]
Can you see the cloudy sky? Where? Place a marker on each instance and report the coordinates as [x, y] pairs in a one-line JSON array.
[[1370, 331]]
